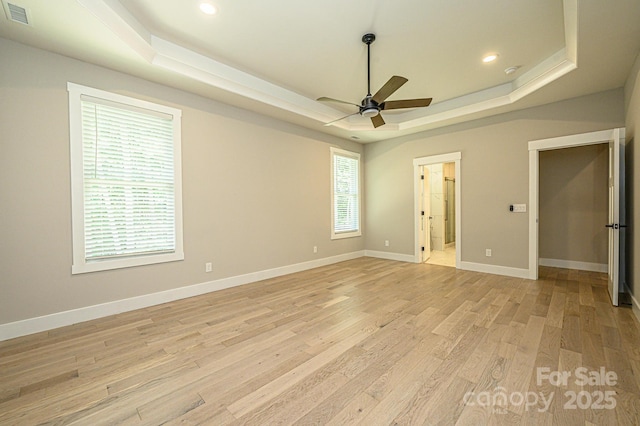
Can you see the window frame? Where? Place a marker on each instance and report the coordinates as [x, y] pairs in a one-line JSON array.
[[79, 263], [355, 156]]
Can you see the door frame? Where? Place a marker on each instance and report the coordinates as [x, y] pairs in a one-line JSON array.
[[452, 157], [535, 146]]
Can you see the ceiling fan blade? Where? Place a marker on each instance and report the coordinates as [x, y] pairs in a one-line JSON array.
[[406, 103], [377, 121], [325, 99], [342, 118], [389, 87]]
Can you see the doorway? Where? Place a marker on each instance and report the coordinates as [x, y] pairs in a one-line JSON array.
[[615, 223], [437, 209], [438, 223], [572, 207]]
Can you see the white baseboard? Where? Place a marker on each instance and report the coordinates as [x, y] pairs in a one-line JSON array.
[[61, 319], [635, 308], [390, 256], [635, 305], [573, 264], [494, 269], [469, 266]]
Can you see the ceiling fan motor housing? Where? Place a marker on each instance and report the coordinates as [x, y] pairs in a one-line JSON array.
[[369, 108]]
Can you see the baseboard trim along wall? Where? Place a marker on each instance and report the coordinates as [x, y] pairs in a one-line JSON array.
[[635, 305], [61, 319], [390, 256], [495, 269], [573, 264], [467, 266]]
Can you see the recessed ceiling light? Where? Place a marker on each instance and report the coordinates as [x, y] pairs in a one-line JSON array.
[[490, 58], [208, 8]]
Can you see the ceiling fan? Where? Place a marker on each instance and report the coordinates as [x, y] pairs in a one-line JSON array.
[[372, 105]]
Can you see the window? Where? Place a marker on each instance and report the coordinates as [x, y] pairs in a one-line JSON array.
[[125, 181], [345, 194]]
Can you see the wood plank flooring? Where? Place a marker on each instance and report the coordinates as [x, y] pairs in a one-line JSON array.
[[367, 341]]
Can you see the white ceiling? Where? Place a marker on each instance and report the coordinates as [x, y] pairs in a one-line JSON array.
[[276, 57]]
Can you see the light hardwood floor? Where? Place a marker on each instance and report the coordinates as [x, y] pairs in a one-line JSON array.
[[366, 341]]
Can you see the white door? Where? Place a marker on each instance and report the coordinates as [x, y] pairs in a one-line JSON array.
[[616, 162], [425, 209]]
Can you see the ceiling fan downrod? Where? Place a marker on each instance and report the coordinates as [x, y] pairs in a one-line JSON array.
[[369, 107], [368, 39]]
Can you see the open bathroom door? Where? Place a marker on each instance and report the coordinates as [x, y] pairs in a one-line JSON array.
[[616, 214], [425, 209]]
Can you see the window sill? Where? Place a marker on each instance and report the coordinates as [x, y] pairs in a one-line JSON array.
[[346, 235], [106, 265]]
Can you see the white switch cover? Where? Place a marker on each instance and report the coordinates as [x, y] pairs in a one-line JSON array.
[[519, 208]]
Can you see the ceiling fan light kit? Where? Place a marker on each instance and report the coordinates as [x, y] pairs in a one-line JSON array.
[[371, 106], [370, 112]]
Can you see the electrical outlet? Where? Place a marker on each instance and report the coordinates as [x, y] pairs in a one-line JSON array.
[[208, 267], [386, 243], [315, 249], [488, 252]]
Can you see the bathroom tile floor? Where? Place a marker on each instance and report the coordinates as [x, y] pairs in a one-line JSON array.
[[446, 257]]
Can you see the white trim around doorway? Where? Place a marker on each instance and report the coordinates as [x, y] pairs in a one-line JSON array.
[[535, 147], [453, 157]]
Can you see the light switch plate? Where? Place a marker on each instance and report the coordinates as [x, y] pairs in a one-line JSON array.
[[519, 208]]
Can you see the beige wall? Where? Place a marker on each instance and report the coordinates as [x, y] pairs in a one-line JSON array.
[[632, 121], [573, 203], [494, 174], [256, 191]]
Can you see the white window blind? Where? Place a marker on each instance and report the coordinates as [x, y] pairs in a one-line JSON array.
[[128, 182], [346, 193], [131, 212]]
